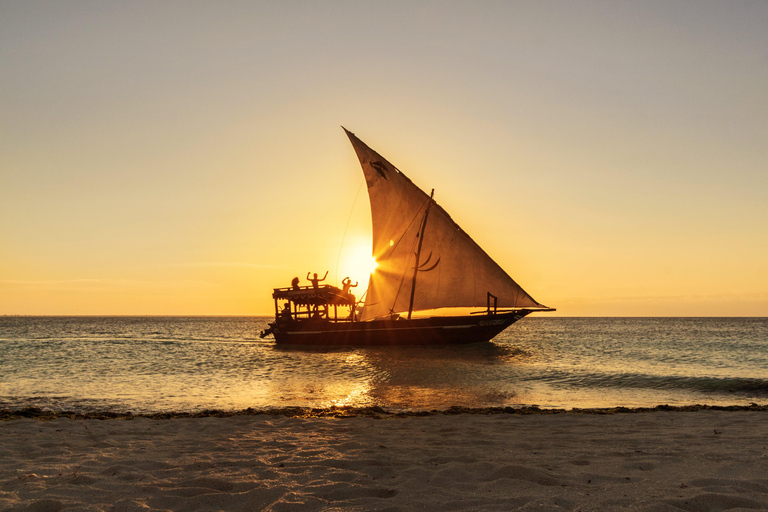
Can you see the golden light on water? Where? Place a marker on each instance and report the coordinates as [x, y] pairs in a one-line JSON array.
[[355, 395]]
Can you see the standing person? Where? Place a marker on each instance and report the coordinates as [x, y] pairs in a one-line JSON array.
[[347, 283], [314, 280]]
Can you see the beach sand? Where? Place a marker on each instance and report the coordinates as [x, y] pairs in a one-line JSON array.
[[659, 461]]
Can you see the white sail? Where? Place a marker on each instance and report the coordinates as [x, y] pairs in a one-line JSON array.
[[453, 270]]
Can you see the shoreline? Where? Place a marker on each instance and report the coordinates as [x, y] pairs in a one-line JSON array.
[[366, 412]]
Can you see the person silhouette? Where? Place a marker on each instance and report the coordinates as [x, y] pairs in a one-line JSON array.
[[314, 280], [295, 283], [347, 283]]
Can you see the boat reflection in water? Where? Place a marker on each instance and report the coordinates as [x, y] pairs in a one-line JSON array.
[[407, 377], [425, 261]]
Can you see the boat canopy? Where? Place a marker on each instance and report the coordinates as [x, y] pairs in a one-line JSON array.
[[308, 295]]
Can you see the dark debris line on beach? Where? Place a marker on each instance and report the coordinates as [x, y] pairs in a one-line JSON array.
[[352, 412]]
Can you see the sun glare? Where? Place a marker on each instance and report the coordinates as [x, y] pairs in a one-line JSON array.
[[358, 264]]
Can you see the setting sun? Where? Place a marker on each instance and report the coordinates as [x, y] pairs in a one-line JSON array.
[[356, 262]]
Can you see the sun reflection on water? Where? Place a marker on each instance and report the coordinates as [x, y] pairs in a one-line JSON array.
[[354, 396]]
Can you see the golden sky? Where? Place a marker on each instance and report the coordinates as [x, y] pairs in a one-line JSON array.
[[184, 158]]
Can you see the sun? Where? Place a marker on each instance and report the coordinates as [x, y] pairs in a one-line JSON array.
[[357, 263]]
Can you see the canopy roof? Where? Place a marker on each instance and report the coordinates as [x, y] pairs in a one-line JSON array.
[[324, 294]]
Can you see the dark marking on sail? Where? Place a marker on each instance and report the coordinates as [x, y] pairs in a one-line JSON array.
[[380, 168], [422, 267]]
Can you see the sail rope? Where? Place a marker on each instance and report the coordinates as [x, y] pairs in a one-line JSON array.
[[341, 245], [410, 254]]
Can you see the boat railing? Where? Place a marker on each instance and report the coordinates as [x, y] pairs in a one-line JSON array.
[[306, 288], [511, 310]]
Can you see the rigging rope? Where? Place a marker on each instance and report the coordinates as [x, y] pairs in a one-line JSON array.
[[341, 246], [412, 253]]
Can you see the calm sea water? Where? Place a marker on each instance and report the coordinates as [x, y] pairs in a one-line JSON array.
[[141, 364]]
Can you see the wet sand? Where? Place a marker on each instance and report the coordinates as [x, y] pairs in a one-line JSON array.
[[694, 460]]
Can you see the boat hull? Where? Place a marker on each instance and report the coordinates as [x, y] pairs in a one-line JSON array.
[[420, 331]]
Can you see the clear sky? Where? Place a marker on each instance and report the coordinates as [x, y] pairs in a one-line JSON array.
[[187, 157]]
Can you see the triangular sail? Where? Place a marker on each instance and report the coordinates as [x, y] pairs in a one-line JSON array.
[[453, 270]]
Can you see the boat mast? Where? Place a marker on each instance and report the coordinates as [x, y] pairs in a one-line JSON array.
[[418, 253]]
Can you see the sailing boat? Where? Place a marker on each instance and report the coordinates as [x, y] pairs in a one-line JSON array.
[[425, 262]]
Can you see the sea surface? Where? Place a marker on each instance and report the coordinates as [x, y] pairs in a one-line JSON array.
[[189, 364]]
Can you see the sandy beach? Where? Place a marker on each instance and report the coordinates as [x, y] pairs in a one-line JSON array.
[[705, 460]]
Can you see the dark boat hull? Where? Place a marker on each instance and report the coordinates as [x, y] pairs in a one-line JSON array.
[[420, 331]]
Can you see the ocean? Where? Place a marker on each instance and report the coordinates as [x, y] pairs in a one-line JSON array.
[[190, 364]]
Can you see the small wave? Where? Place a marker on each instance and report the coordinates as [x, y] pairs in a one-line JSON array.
[[718, 385]]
